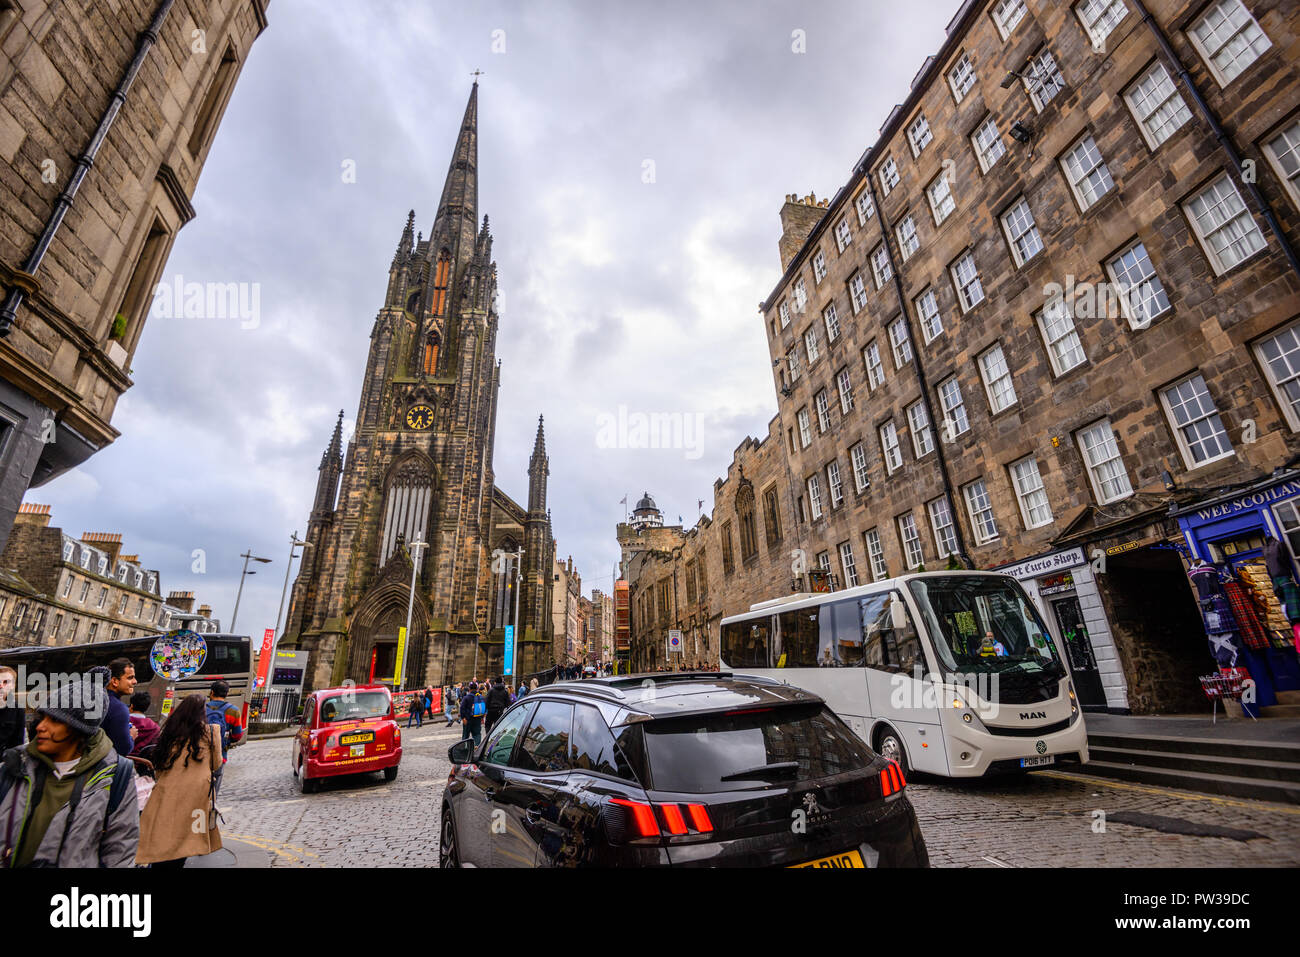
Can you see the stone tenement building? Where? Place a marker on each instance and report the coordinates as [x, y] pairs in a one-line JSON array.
[[1050, 324], [58, 589], [419, 469], [107, 112]]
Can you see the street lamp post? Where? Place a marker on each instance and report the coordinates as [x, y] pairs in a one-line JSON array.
[[415, 548], [294, 542], [240, 594], [519, 577]]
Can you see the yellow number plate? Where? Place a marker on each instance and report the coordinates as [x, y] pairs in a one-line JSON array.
[[847, 859], [360, 738]]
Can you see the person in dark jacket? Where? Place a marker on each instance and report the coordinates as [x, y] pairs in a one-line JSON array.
[[498, 699], [118, 679], [12, 717], [471, 723]]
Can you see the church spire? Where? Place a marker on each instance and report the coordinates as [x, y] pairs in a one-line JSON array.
[[407, 242], [539, 467], [331, 467], [460, 191]]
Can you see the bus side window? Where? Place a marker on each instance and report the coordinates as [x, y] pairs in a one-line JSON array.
[[744, 643], [800, 636], [845, 647], [878, 633]]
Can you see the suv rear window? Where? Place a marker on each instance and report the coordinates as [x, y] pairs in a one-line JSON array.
[[695, 754]]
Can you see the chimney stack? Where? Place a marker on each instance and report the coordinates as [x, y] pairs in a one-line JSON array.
[[798, 219], [108, 542], [184, 600], [205, 610], [30, 513]]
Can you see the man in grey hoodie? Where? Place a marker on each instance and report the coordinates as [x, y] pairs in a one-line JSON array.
[[67, 799]]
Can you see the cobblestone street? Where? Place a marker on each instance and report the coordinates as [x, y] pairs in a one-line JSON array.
[[1046, 819]]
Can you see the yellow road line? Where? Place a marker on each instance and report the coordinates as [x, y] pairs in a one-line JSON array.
[[1226, 802], [267, 843]]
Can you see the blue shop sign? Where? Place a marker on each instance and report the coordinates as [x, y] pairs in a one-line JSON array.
[[1231, 517]]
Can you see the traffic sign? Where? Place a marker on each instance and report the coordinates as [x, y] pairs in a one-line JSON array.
[[674, 640]]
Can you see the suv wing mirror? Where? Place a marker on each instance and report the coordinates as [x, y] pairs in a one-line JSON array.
[[462, 752]]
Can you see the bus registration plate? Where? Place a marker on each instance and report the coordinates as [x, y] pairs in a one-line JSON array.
[[361, 737], [848, 859], [1038, 762]]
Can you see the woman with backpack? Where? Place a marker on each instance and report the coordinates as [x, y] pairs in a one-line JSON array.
[[180, 819]]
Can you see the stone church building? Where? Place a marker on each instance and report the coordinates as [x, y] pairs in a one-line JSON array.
[[419, 469]]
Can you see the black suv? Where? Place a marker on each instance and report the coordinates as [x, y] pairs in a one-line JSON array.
[[681, 769]]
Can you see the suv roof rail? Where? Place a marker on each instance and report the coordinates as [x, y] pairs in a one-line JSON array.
[[596, 687]]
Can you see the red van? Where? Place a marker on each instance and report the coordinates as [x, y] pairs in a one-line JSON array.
[[346, 731]]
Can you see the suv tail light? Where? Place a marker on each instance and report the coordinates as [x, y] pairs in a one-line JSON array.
[[891, 780], [638, 820]]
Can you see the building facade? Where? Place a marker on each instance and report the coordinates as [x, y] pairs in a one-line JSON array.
[[61, 589], [419, 470], [1050, 324], [106, 119]]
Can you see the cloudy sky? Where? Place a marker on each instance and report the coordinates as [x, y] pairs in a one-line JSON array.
[[616, 291]]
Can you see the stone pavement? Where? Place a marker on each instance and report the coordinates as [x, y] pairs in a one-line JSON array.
[[1045, 819]]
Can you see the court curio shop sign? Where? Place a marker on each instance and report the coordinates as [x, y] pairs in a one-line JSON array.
[[1045, 565], [1246, 502]]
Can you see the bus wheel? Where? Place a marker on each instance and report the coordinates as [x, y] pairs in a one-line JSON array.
[[889, 747]]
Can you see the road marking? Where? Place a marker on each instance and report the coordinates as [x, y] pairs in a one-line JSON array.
[[994, 860], [1226, 802], [275, 847]]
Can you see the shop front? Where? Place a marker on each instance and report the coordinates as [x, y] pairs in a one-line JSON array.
[[1064, 589], [1242, 550]]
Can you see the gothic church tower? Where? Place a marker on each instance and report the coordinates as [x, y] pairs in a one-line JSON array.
[[418, 468]]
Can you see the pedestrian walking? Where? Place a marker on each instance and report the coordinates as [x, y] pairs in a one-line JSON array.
[[118, 678], [450, 703], [521, 690], [472, 709], [225, 716], [146, 728], [180, 819], [67, 799], [415, 709], [498, 699], [13, 723], [428, 703], [532, 686]]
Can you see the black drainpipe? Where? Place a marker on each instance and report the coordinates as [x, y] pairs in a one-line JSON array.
[[1220, 134], [16, 295], [886, 229]]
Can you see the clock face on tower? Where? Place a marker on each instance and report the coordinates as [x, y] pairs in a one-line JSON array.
[[419, 417]]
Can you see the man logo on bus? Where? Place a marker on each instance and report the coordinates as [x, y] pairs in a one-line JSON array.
[[1040, 747]]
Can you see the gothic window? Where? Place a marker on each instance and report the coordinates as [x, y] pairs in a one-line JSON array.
[[771, 517], [440, 282], [745, 513], [431, 353], [728, 563], [406, 507]]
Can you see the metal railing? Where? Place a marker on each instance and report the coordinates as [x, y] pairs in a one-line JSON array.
[[274, 708]]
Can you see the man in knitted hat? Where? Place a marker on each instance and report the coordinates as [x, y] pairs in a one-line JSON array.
[[67, 799]]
